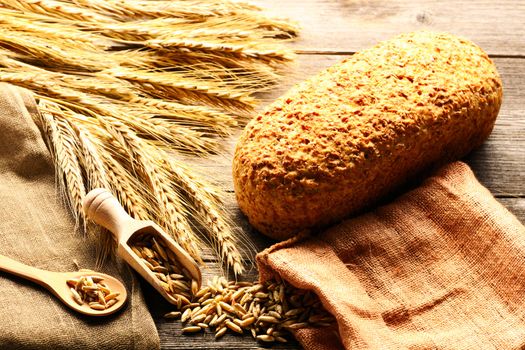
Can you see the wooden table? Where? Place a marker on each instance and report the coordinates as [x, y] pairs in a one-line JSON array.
[[332, 29]]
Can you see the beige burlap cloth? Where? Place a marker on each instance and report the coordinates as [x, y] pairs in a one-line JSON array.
[[37, 229], [442, 267]]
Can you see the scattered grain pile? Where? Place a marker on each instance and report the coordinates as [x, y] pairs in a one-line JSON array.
[[93, 291], [125, 85], [268, 311]]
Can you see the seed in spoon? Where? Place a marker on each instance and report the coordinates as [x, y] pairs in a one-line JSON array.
[[97, 306], [76, 296], [111, 303]]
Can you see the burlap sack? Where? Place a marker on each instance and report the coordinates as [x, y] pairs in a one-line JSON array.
[[442, 267], [36, 229]]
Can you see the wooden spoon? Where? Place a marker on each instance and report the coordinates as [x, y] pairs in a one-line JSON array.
[[104, 209], [56, 283]]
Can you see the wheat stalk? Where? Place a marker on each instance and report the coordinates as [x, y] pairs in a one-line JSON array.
[[126, 85]]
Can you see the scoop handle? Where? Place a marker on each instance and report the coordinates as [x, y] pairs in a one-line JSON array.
[[104, 209]]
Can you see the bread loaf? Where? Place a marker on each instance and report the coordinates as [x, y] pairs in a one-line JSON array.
[[339, 141]]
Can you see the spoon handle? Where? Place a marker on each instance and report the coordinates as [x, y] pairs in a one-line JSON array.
[[22, 270], [104, 209]]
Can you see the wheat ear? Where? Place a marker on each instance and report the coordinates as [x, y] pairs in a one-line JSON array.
[[219, 230], [61, 141], [25, 22], [190, 9], [185, 87], [170, 209], [96, 178], [56, 9]]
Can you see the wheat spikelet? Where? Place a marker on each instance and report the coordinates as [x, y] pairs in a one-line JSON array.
[[282, 28], [139, 31], [242, 29], [266, 71], [208, 117], [41, 49], [29, 75], [129, 190], [37, 82], [237, 28], [96, 174], [96, 178]]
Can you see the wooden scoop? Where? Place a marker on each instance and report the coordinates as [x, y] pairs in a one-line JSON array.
[[104, 209], [56, 283]]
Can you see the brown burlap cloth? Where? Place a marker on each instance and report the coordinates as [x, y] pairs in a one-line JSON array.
[[37, 229], [442, 267]]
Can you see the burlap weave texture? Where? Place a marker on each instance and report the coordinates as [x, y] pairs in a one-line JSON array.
[[439, 268], [37, 229]]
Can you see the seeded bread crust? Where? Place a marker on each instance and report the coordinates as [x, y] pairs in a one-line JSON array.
[[336, 143]]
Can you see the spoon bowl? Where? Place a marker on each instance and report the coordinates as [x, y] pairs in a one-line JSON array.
[[63, 292], [56, 283]]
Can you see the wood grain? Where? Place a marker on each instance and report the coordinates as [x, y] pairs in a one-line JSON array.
[[350, 25]]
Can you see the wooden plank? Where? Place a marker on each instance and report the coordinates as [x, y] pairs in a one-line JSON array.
[[499, 163], [351, 25]]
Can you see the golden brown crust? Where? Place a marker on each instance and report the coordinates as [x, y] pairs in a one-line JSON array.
[[351, 134]]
